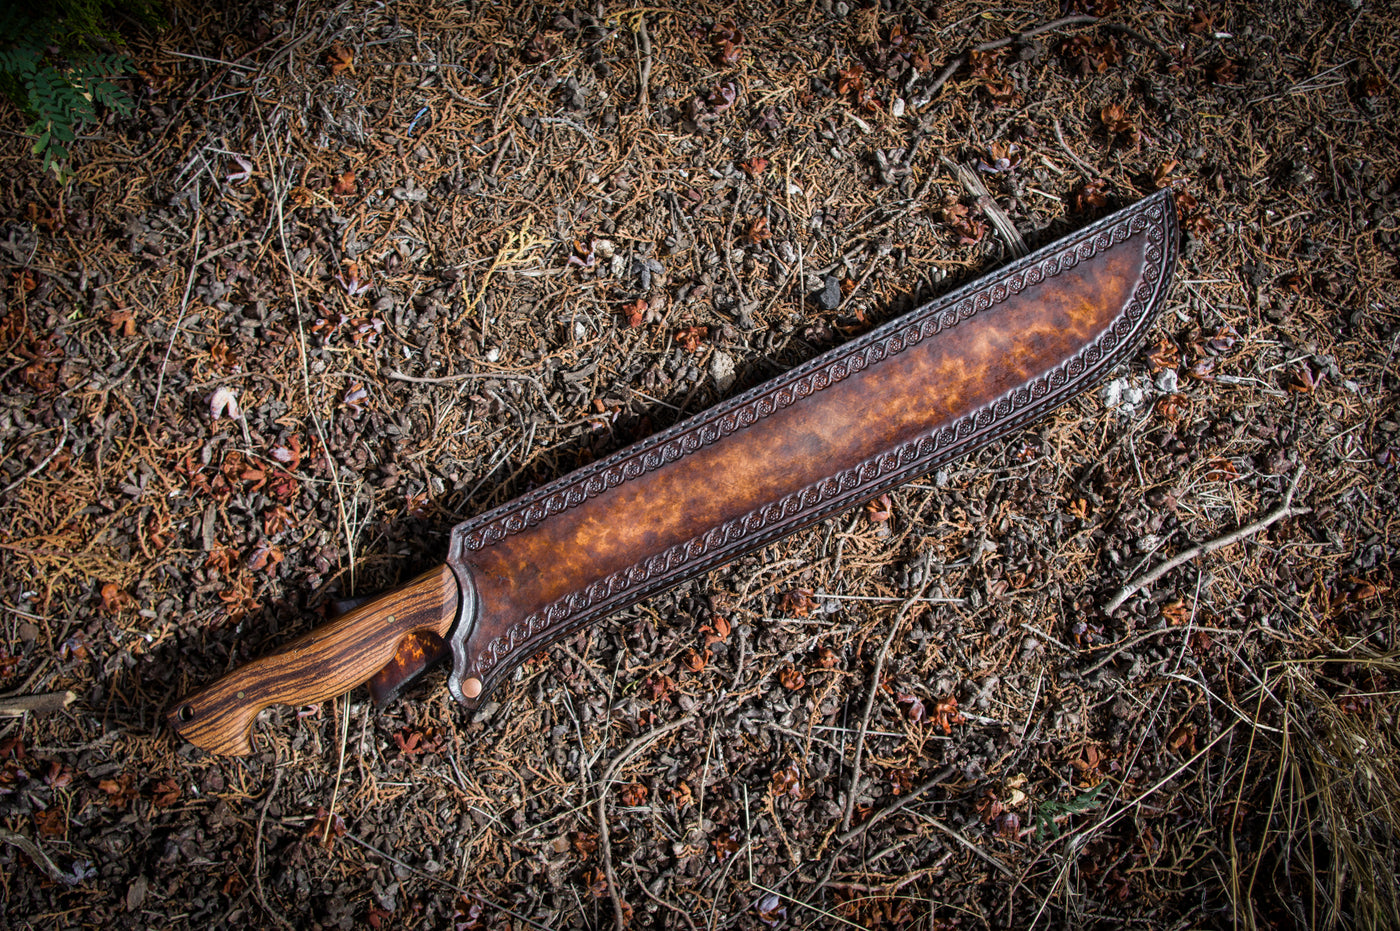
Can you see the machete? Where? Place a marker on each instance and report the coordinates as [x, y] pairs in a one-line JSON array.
[[887, 407]]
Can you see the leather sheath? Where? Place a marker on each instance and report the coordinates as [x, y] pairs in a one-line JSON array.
[[885, 408]]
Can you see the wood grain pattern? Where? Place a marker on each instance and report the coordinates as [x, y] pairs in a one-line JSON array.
[[330, 660], [893, 404]]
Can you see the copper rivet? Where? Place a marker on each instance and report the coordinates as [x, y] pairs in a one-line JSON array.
[[471, 688]]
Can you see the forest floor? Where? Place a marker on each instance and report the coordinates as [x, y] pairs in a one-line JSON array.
[[231, 344]]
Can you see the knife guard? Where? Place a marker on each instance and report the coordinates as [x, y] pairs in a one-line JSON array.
[[887, 407]]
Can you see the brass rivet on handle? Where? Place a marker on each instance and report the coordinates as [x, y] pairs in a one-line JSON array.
[[471, 687]]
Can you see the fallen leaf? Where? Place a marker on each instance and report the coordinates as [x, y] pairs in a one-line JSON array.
[[689, 337], [339, 58], [758, 231], [114, 600], [634, 795], [635, 312], [913, 707], [224, 403], [326, 828], [879, 510], [798, 602], [754, 166], [1091, 195], [345, 184], [791, 677], [946, 714]]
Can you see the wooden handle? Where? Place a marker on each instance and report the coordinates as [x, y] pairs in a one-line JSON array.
[[328, 661]]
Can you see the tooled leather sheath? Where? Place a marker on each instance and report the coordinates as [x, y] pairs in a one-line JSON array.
[[924, 389]]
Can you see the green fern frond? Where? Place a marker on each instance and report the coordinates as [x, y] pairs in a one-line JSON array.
[[59, 68]]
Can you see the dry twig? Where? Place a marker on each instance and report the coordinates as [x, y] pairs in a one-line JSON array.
[[42, 703], [1286, 509], [895, 624], [1076, 19], [604, 839]]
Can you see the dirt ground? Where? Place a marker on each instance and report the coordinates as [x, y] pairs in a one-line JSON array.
[[354, 272]]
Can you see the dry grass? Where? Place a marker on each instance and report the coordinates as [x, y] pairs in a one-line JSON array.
[[1326, 783]]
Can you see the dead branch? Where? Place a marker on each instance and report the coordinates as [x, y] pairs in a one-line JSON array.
[[1286, 509], [36, 854], [974, 186], [42, 703], [1077, 19]]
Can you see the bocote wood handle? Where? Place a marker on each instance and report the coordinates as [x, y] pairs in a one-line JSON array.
[[330, 660]]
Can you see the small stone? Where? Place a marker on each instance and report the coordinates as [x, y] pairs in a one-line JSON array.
[[722, 371], [136, 894], [830, 297]]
